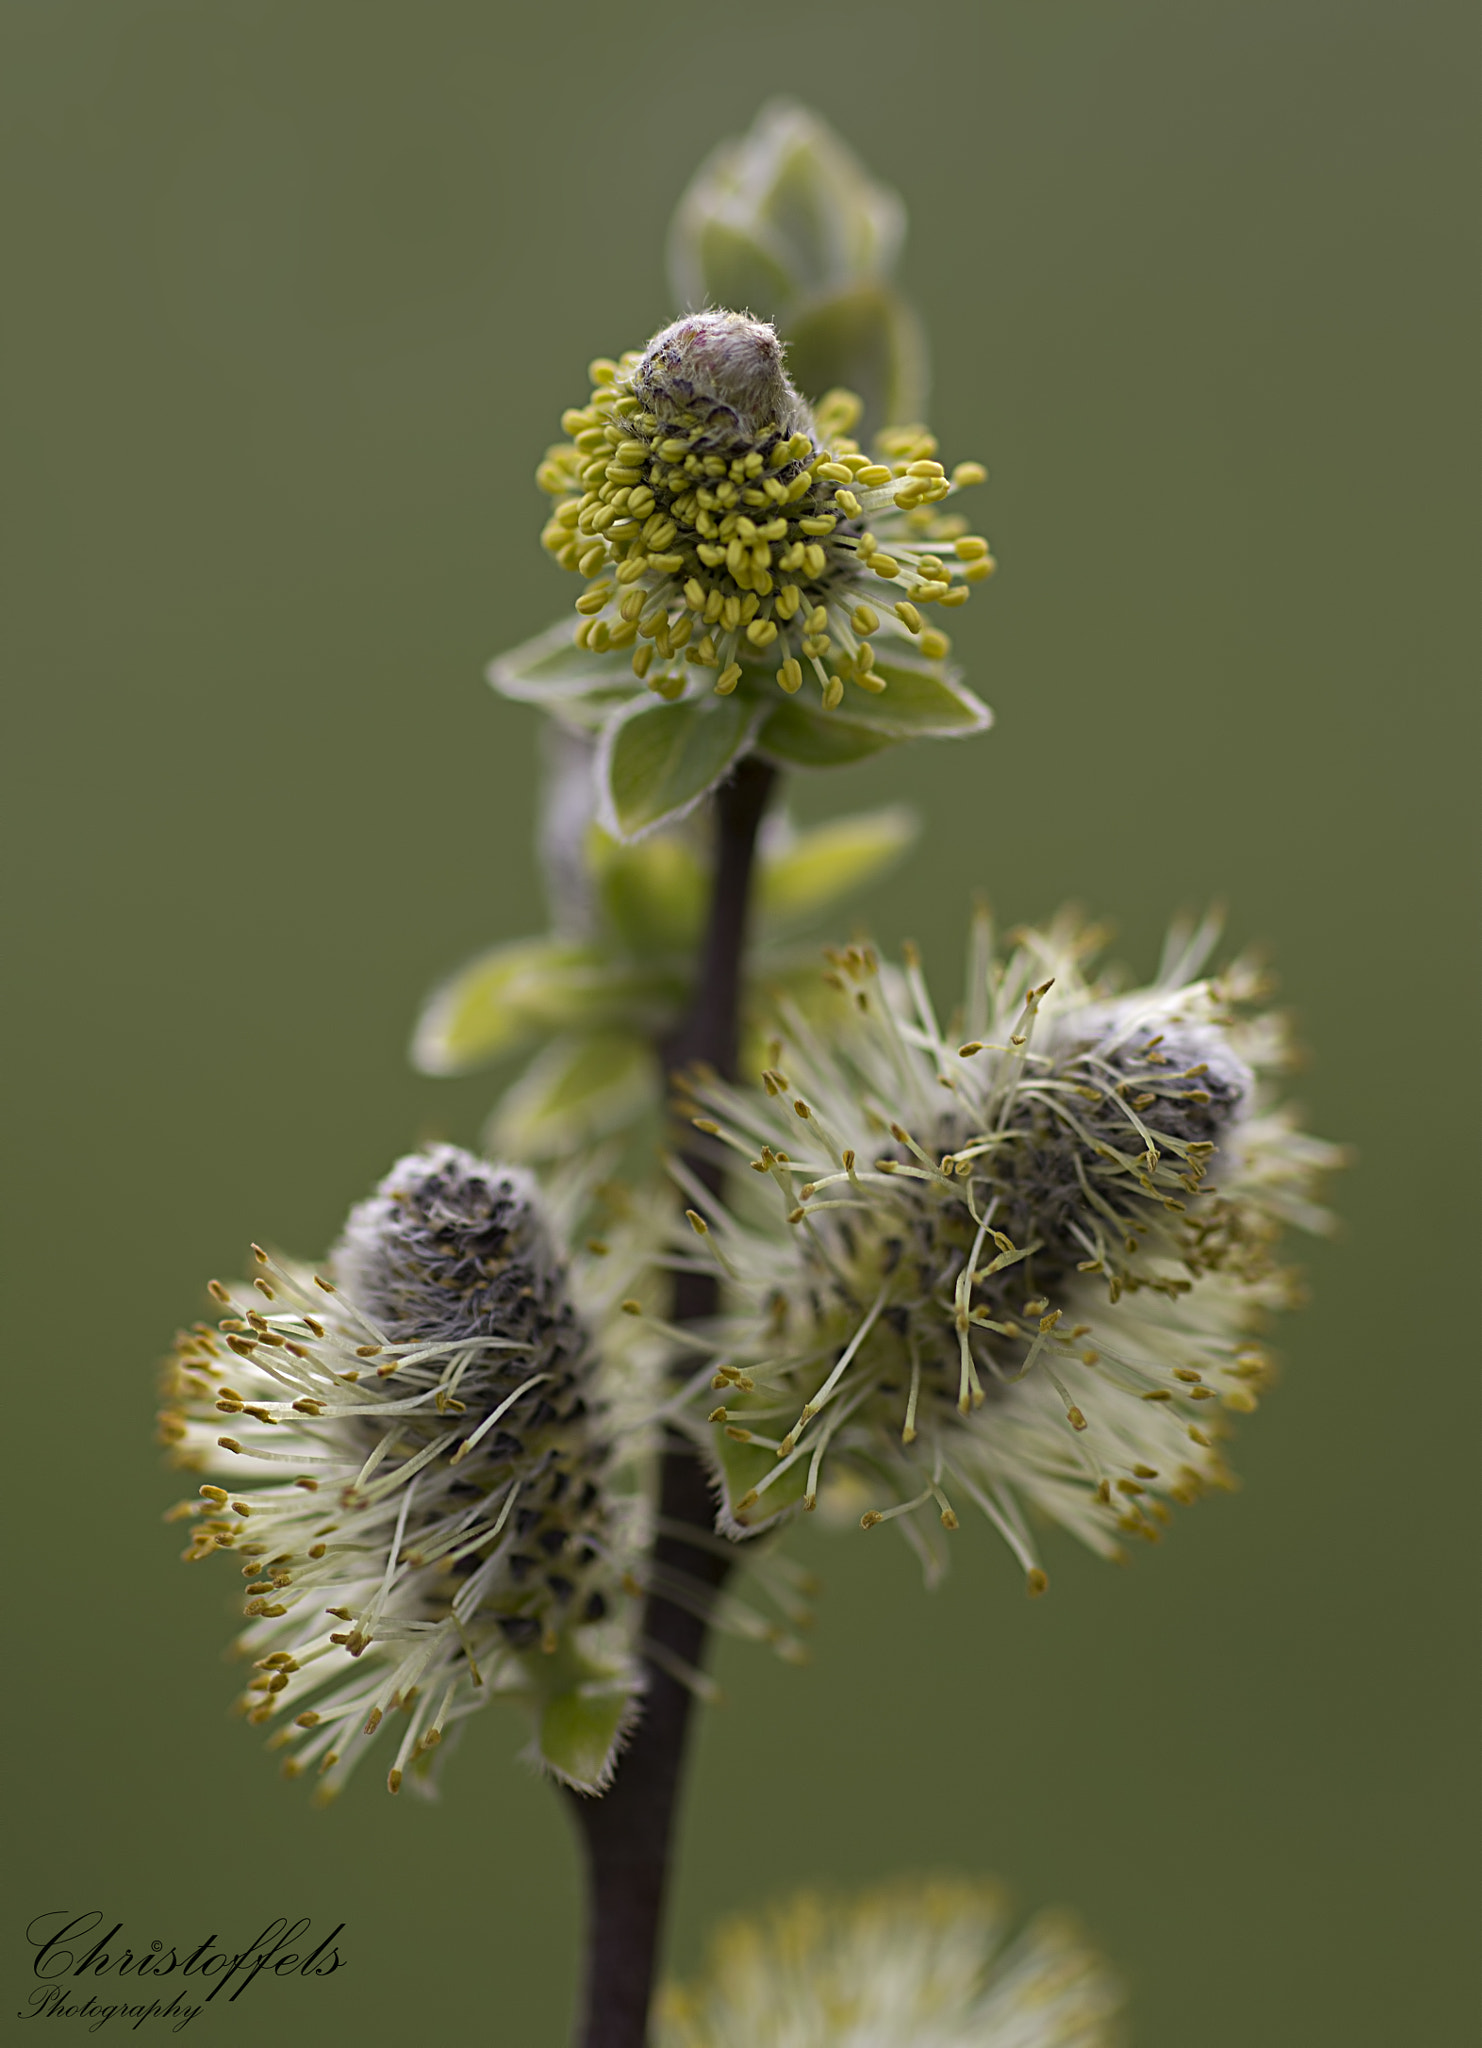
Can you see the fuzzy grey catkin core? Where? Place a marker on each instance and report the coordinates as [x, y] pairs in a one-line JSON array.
[[726, 367]]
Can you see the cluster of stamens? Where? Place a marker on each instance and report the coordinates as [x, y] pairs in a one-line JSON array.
[[440, 1495], [732, 536], [978, 1253]]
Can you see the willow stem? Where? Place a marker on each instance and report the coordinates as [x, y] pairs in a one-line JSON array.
[[628, 1833]]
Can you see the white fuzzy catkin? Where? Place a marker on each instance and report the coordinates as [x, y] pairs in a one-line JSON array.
[[1023, 1265], [428, 1520]]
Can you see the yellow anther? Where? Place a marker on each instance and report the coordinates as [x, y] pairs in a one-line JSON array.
[[909, 617], [761, 632], [728, 680], [790, 676], [847, 502], [884, 565], [865, 620], [969, 473], [873, 474], [935, 644]]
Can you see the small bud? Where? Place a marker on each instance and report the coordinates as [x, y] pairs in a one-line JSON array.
[[725, 371]]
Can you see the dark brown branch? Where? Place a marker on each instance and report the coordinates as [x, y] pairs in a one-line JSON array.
[[628, 1834]]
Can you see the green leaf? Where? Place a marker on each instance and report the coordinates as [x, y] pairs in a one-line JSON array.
[[806, 736], [571, 681], [527, 989], [824, 864], [578, 1089], [922, 700], [653, 893], [658, 760], [579, 1733]]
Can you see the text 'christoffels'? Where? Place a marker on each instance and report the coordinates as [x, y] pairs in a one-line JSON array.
[[69, 1948]]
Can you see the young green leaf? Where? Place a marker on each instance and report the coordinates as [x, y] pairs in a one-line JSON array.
[[825, 863], [806, 736], [921, 700], [652, 893], [524, 990], [658, 760], [572, 682]]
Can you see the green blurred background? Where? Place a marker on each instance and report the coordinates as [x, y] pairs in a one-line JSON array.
[[296, 292]]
